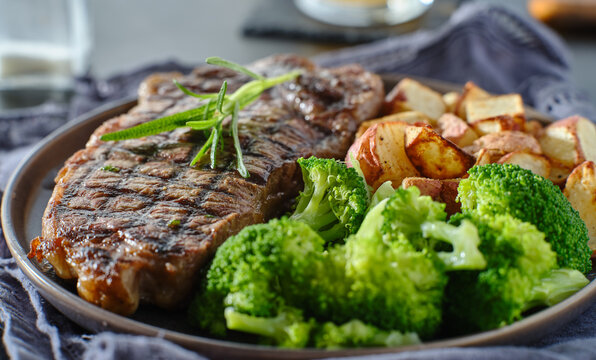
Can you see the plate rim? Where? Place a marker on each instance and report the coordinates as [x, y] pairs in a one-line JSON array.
[[105, 320]]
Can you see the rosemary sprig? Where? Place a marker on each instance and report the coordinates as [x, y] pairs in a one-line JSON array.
[[214, 60], [211, 115]]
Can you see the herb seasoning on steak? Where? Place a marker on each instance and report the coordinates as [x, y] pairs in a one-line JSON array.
[[132, 221]]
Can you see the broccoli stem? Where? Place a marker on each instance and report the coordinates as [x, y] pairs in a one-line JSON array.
[[287, 329], [373, 221], [314, 206], [383, 192], [318, 219], [355, 333], [557, 286], [314, 211], [335, 232], [464, 239]]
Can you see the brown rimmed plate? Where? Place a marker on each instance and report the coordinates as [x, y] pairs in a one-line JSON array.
[[30, 188]]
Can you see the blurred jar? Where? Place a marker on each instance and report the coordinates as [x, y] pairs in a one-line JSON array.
[[44, 44], [362, 13]]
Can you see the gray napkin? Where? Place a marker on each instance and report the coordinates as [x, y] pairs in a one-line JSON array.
[[492, 46]]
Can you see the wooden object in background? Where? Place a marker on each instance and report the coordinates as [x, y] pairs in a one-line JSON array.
[[564, 13]]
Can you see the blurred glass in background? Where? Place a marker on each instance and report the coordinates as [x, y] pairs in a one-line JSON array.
[[363, 13], [44, 44]]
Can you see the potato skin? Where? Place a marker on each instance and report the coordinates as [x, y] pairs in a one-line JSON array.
[[410, 117], [506, 141], [488, 156], [534, 128], [494, 125], [380, 151], [444, 191], [428, 187]]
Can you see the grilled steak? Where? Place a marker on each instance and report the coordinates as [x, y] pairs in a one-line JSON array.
[[131, 220]]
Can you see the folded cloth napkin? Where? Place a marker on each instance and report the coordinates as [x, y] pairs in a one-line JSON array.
[[492, 46]]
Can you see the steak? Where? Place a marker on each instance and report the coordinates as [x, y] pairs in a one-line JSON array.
[[132, 221]]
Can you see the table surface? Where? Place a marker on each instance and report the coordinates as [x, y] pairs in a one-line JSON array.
[[132, 33]]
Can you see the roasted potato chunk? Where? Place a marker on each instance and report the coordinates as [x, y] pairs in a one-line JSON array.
[[439, 137], [381, 153], [534, 128], [507, 141], [451, 99], [434, 156], [559, 173], [471, 92], [409, 94], [410, 117], [488, 156], [449, 196], [429, 187], [538, 164], [580, 190], [570, 141], [444, 191], [494, 125], [510, 105], [456, 130]]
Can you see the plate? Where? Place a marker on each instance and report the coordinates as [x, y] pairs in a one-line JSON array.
[[30, 188]]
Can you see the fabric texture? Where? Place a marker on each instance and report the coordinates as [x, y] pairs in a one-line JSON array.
[[492, 46]]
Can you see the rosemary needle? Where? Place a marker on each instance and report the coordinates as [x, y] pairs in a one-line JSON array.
[[210, 116]]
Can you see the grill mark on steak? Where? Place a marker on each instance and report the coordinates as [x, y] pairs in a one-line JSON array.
[[113, 229]]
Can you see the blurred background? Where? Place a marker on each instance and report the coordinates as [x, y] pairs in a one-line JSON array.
[[117, 36], [136, 32]]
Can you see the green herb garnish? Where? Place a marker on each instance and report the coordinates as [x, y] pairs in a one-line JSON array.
[[174, 223], [110, 168], [211, 115]]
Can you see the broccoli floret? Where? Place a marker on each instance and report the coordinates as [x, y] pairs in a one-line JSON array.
[[355, 333], [509, 189], [392, 286], [421, 221], [246, 271], [518, 260], [206, 311], [378, 276], [287, 329], [334, 200], [463, 239], [408, 210], [557, 286], [396, 283]]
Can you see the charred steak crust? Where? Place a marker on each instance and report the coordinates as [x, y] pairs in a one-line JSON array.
[[109, 220]]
